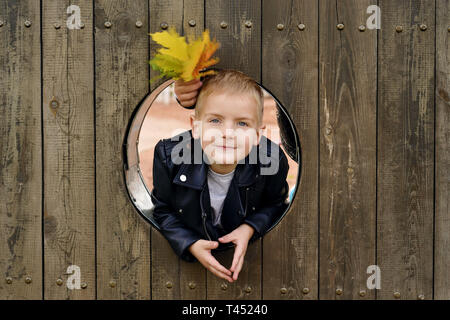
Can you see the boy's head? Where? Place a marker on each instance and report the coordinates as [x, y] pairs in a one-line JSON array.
[[228, 116]]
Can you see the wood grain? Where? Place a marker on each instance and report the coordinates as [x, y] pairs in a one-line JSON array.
[[405, 149], [20, 151], [121, 73], [290, 72]]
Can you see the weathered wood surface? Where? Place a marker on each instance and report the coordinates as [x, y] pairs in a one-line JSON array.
[[371, 109]]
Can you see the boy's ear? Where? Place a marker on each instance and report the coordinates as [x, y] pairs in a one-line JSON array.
[[194, 126]]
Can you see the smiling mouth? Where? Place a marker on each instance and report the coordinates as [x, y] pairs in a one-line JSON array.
[[226, 147]]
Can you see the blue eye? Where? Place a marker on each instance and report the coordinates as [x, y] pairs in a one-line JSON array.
[[242, 123], [214, 120]]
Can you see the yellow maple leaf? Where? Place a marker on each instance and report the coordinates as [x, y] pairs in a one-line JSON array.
[[181, 60]]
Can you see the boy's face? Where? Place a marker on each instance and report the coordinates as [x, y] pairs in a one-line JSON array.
[[228, 126]]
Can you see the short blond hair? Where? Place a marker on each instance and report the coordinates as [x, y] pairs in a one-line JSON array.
[[234, 82]]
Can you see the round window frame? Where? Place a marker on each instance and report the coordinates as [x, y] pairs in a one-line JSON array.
[[137, 190]]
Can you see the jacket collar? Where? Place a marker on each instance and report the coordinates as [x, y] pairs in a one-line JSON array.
[[194, 175]]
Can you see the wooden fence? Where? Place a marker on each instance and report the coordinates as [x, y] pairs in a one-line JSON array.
[[371, 108]]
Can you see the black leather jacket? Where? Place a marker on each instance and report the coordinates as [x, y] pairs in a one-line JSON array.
[[181, 197]]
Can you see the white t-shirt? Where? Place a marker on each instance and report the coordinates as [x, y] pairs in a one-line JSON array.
[[218, 185]]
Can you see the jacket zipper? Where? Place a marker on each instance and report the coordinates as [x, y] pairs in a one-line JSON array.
[[204, 216]]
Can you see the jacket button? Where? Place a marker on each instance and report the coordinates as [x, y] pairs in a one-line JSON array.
[[180, 211], [253, 208], [183, 178]]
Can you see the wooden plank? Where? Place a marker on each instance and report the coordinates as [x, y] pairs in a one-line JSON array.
[[347, 113], [121, 81], [405, 149], [240, 50], [69, 166], [442, 162], [290, 72], [20, 151], [166, 266]]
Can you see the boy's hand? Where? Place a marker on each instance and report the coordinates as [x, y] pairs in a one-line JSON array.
[[201, 249], [240, 237], [186, 92]]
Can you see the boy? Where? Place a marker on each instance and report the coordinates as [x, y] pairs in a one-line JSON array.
[[223, 181]]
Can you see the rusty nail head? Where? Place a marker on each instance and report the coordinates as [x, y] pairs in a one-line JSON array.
[[421, 297], [28, 280], [362, 28], [108, 24], [27, 23], [224, 286], [223, 25], [169, 284], [112, 283], [339, 291], [283, 290], [280, 26], [84, 285], [81, 25], [301, 27], [448, 28], [397, 294], [423, 27], [399, 28], [305, 290], [192, 23], [248, 289], [192, 285], [248, 24], [340, 26], [57, 25], [8, 280], [328, 130], [350, 170], [138, 24], [1, 23], [59, 281], [362, 293], [164, 25]]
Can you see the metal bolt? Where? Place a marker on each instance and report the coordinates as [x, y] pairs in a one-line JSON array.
[[280, 26], [84, 285], [138, 24], [112, 283], [223, 25], [59, 282], [339, 291], [399, 28], [8, 280], [28, 280], [423, 27], [283, 290], [192, 285], [81, 25], [27, 23], [248, 24], [362, 28], [397, 294], [57, 25], [301, 27], [224, 286], [164, 25], [192, 23], [362, 293], [421, 297], [248, 289], [108, 24], [448, 28], [340, 26], [1, 23], [328, 130], [350, 170], [169, 284], [305, 290]]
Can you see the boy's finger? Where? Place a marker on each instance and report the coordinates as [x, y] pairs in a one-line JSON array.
[[220, 274], [238, 268], [187, 95], [219, 267], [236, 258]]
